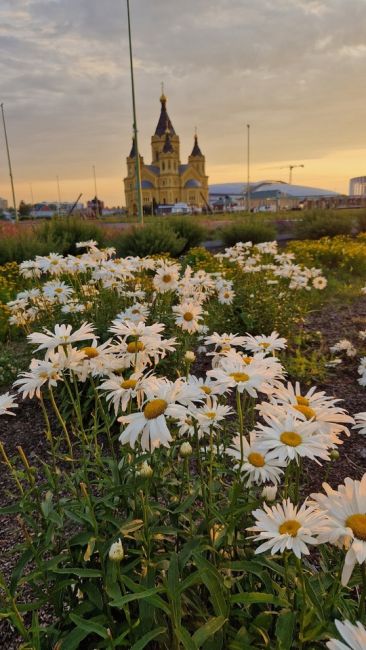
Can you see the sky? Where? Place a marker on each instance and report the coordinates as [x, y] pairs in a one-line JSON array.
[[292, 69]]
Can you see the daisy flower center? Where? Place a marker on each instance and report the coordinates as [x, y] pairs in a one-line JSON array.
[[188, 316], [256, 459], [302, 401], [247, 360], [206, 389], [91, 353], [58, 290], [291, 438], [210, 415], [306, 410], [155, 408], [129, 383], [357, 523], [167, 278], [135, 346], [239, 376], [289, 527], [264, 345]]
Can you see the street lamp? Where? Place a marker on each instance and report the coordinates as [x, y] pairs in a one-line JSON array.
[[137, 161], [248, 167]]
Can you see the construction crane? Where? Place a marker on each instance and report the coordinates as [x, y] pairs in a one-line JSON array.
[[290, 168]]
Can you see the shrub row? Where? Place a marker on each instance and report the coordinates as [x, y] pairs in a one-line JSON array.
[[174, 235]]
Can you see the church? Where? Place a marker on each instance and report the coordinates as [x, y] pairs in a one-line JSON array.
[[166, 181]]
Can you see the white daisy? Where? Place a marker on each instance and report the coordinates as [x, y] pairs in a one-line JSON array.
[[166, 278], [62, 335], [258, 466], [7, 402], [287, 527], [360, 419], [151, 421], [354, 637], [291, 438], [345, 510], [188, 316], [40, 373], [266, 344]]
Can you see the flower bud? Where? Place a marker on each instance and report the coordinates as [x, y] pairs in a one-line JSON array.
[[190, 356], [116, 552], [334, 454], [146, 470], [269, 492], [185, 449]]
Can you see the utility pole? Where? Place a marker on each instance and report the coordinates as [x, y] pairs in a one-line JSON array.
[[9, 163], [96, 194], [137, 155], [248, 167]]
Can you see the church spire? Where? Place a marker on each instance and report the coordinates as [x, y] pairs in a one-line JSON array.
[[133, 149], [164, 119], [196, 151]]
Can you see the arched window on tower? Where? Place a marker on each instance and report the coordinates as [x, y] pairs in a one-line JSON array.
[[163, 166]]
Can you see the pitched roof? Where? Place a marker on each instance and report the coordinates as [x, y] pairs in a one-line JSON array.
[[164, 122], [133, 149], [153, 169], [196, 151]]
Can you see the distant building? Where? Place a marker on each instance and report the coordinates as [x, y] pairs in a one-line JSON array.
[[357, 186], [3, 204], [166, 181], [266, 195], [47, 209]]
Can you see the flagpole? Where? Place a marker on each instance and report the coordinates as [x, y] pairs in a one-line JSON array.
[[137, 161], [9, 163]]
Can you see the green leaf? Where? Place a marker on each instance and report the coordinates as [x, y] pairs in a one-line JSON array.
[[136, 596], [173, 591], [213, 581], [142, 643], [18, 569], [81, 573], [72, 640], [285, 630], [185, 638], [88, 625], [255, 597], [208, 629]]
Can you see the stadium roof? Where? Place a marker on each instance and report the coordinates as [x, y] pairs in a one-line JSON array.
[[268, 188]]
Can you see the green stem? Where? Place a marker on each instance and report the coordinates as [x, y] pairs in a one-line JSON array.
[[361, 608], [241, 428], [61, 421]]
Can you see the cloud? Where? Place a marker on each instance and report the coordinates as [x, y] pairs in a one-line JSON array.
[[290, 67]]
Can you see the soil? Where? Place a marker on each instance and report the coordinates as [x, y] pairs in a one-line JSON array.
[[27, 430]]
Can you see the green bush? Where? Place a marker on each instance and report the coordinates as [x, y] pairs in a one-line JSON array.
[[55, 236], [324, 223], [187, 229], [24, 246], [361, 221], [253, 230], [62, 234], [150, 240]]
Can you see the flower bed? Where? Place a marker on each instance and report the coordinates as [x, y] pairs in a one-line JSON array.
[[170, 511]]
